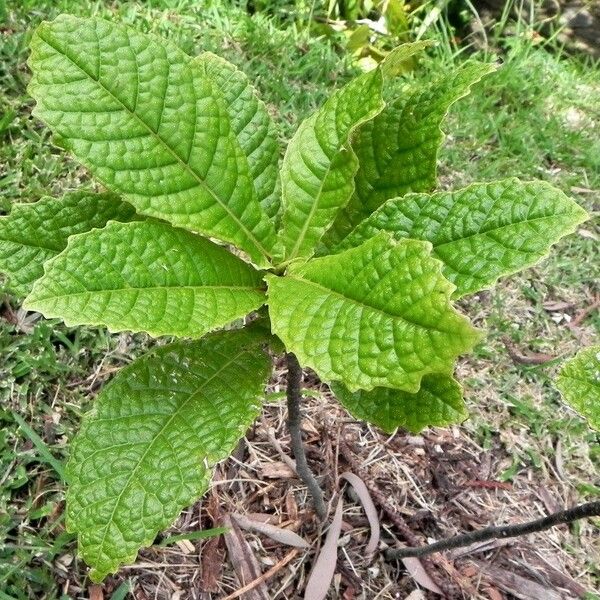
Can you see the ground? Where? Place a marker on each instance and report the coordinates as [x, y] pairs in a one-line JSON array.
[[520, 455]]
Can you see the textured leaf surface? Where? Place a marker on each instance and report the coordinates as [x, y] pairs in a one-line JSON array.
[[319, 165], [147, 448], [34, 233], [147, 276], [146, 120], [376, 315], [481, 232], [397, 150], [251, 124], [579, 384], [438, 402]]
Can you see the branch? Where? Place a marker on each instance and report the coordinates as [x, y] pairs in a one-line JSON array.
[[591, 509], [294, 395]]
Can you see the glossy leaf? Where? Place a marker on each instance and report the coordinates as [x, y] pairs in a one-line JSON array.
[[317, 175], [147, 122], [482, 232], [439, 402], [375, 315], [398, 149], [33, 233], [148, 447], [251, 124], [579, 384], [146, 276]]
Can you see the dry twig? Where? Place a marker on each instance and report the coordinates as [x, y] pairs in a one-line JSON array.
[[590, 509]]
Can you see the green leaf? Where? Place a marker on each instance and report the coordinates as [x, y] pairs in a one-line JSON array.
[[34, 233], [579, 384], [376, 315], [252, 126], [148, 447], [146, 276], [482, 232], [397, 150], [317, 175], [439, 402], [147, 122]]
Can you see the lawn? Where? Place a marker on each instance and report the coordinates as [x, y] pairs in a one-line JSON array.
[[520, 455]]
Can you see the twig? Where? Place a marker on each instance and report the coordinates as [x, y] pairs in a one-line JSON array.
[[294, 395], [531, 358], [584, 313], [590, 509]]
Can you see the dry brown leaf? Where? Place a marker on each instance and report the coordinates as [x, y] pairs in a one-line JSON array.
[[96, 592], [530, 358], [519, 587], [324, 567], [291, 506], [582, 315], [243, 560], [264, 577], [554, 305], [416, 570], [212, 563], [586, 233], [283, 536], [493, 593], [369, 507], [277, 470]]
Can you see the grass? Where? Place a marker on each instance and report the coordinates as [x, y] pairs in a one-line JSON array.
[[538, 116]]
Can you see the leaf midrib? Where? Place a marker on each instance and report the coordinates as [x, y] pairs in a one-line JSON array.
[[373, 308], [262, 250], [493, 229], [371, 114], [158, 435], [153, 288]]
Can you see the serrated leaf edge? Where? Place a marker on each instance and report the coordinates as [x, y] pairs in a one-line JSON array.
[[100, 323]]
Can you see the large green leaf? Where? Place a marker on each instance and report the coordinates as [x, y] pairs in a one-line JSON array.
[[375, 315], [33, 233], [252, 125], [148, 447], [439, 402], [146, 276], [481, 232], [317, 175], [146, 120], [397, 150], [579, 384]]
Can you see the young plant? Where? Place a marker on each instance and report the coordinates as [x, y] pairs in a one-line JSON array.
[[356, 262]]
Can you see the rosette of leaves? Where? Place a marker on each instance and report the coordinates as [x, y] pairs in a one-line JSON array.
[[357, 262]]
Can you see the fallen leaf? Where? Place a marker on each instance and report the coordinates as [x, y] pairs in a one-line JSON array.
[[185, 546], [369, 507], [554, 305], [243, 560], [283, 536], [586, 233], [531, 358], [324, 567], [291, 507], [277, 470], [519, 587], [96, 592], [419, 574]]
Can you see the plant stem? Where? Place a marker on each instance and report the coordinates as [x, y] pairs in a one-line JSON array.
[[591, 509], [294, 395]]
